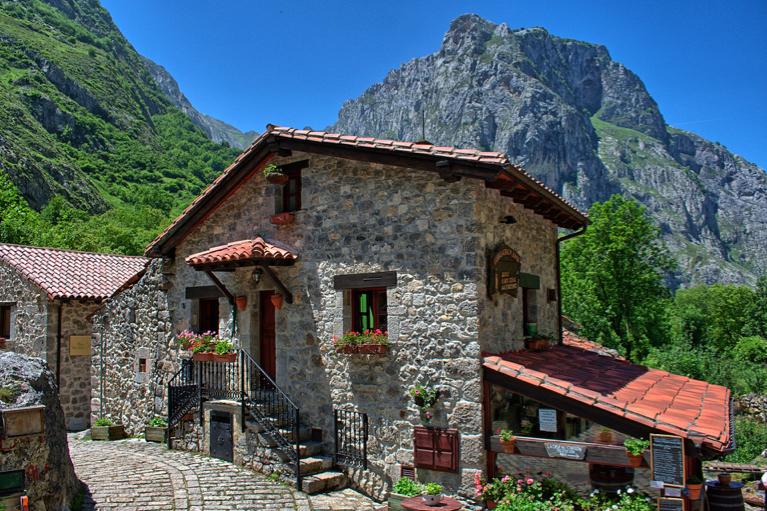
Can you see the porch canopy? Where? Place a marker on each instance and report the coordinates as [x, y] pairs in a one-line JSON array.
[[630, 398], [241, 254]]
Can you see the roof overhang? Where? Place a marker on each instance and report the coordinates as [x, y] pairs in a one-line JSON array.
[[629, 398], [449, 163]]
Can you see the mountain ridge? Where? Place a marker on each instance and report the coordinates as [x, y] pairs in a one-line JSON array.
[[583, 124]]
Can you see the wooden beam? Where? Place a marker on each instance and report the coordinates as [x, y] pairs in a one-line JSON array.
[[502, 184], [552, 214], [532, 202], [279, 285], [604, 454], [243, 263], [274, 146], [221, 287], [443, 167], [543, 208]]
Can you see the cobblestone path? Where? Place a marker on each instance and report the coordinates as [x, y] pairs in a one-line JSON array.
[[134, 475]]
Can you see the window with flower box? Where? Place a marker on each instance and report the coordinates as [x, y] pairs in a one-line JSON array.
[[369, 310]]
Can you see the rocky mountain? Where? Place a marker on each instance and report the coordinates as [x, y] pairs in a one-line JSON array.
[[586, 126], [217, 131]]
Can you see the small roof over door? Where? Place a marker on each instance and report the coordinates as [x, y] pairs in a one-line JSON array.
[[243, 253]]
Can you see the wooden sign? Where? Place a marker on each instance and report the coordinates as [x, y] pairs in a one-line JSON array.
[[79, 345], [570, 451], [667, 455], [504, 271], [670, 504]]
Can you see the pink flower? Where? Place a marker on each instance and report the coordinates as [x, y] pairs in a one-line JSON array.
[[548, 473], [520, 481], [505, 479], [417, 391], [529, 481]]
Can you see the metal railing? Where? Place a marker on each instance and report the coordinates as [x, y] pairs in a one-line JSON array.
[[273, 410], [351, 438], [245, 381]]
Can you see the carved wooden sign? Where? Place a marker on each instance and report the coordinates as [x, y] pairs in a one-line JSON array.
[[504, 271]]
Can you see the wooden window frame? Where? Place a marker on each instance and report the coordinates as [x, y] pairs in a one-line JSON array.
[[356, 323], [6, 309], [200, 314], [293, 177]]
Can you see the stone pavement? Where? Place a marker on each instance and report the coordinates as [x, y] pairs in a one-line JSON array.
[[134, 475]]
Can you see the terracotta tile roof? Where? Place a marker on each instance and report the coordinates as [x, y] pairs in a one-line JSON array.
[[244, 249], [665, 402], [509, 170], [570, 339], [72, 275]]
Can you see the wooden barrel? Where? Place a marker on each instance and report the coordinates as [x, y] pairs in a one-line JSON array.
[[609, 478], [725, 498]]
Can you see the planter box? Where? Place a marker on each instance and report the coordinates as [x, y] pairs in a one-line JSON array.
[[348, 349], [395, 501], [282, 218], [373, 349], [116, 432], [228, 358], [203, 357], [156, 434]]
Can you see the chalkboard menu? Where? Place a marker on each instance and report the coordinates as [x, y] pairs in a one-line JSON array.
[[670, 504], [667, 459]]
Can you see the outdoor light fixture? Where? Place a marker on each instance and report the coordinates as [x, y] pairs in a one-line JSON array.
[[508, 220], [256, 275]]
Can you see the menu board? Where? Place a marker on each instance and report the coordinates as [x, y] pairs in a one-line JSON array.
[[670, 504], [667, 459]]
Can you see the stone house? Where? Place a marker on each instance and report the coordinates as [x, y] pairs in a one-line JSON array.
[[453, 252], [46, 296]]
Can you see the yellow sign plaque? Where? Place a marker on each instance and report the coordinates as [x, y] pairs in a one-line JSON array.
[[79, 345]]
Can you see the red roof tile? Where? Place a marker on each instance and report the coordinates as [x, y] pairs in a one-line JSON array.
[[238, 250], [466, 155], [72, 275], [666, 402]]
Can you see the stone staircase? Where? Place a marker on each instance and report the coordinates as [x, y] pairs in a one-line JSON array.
[[316, 467]]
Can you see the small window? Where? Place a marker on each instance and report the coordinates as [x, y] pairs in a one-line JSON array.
[[369, 310], [142, 365], [208, 315], [291, 192], [5, 321]]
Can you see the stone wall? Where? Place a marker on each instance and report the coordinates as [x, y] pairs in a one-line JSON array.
[[30, 313], [367, 218], [133, 325], [75, 377], [50, 476]]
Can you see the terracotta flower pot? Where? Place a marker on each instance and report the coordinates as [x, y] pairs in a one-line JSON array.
[[491, 504], [635, 460], [508, 445], [205, 356], [694, 491], [277, 178], [276, 300], [282, 218], [724, 478], [226, 358], [242, 302]]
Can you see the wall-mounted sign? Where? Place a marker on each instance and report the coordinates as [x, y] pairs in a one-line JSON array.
[[670, 504], [79, 345], [570, 451], [504, 271], [667, 455], [547, 418]]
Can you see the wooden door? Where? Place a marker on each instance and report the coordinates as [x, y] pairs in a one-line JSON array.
[[208, 315], [267, 351]]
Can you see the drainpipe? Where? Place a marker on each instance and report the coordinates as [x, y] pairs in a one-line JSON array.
[[58, 345], [559, 280]]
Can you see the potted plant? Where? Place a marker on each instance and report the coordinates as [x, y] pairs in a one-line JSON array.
[[724, 478], [201, 352], [507, 440], [694, 485], [104, 429], [282, 218], [425, 398], [156, 430], [275, 175], [374, 343], [634, 448], [526, 429], [606, 435], [432, 494], [225, 351], [347, 343], [403, 489], [494, 491]]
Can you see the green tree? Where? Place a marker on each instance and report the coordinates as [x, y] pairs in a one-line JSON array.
[[612, 278], [756, 312]]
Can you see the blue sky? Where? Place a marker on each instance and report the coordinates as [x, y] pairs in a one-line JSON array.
[[250, 62]]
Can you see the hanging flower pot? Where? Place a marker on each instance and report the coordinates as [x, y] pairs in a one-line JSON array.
[[242, 302], [277, 300]]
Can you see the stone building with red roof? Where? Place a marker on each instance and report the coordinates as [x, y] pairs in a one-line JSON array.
[[452, 252], [46, 296]]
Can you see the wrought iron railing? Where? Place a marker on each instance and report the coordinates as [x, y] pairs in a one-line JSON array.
[[277, 414], [183, 395], [351, 438], [245, 381]]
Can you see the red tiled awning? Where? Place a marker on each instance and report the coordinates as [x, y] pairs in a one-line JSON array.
[[628, 397], [243, 251]]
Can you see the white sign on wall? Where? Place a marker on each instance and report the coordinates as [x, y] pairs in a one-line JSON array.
[[547, 419]]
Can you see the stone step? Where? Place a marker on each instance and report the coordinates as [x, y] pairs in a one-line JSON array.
[[323, 482], [315, 464], [305, 450]]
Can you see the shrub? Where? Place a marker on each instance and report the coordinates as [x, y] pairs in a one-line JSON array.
[[103, 422], [158, 422], [406, 486]]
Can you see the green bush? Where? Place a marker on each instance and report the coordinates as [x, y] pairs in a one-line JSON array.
[[158, 422], [406, 486], [750, 440], [103, 422]]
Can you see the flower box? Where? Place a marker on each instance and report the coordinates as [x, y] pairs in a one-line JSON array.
[[115, 432], [395, 501], [282, 218], [348, 349], [225, 358], [373, 349], [156, 434], [205, 356]]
